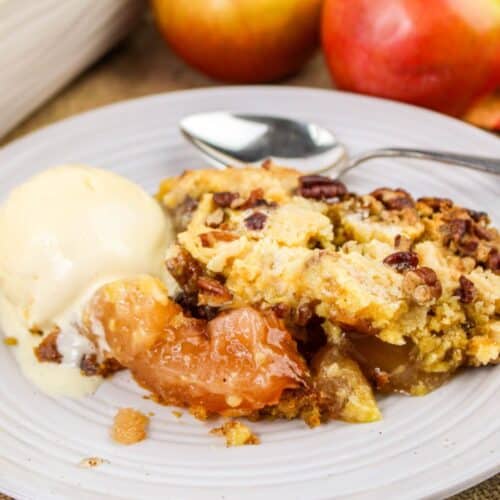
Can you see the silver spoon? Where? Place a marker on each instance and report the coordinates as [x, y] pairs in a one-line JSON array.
[[240, 139]]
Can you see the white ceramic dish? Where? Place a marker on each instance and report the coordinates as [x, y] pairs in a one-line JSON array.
[[425, 447], [45, 43]]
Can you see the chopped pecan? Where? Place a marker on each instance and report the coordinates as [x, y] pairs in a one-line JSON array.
[[189, 303], [181, 215], [466, 292], [212, 293], [110, 366], [478, 216], [224, 199], [47, 349], [255, 199], [211, 238], [265, 203], [436, 204], [402, 243], [393, 199], [402, 261], [468, 246], [493, 261], [186, 270], [455, 230], [483, 233], [422, 285], [89, 365], [267, 164], [215, 219], [256, 221], [319, 187]]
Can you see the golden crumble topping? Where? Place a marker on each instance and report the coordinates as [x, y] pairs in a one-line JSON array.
[[421, 276], [290, 297]]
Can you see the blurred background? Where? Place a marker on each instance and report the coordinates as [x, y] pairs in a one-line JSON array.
[[61, 58]]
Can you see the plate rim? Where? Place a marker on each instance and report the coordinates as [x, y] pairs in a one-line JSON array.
[[16, 146], [19, 141]]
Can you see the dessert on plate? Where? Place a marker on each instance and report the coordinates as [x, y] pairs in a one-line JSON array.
[[254, 292]]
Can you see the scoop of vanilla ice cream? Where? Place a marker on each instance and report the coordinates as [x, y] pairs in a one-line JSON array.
[[70, 227]]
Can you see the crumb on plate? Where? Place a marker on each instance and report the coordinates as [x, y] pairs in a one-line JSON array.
[[10, 341], [130, 426], [91, 462], [199, 412], [236, 434]]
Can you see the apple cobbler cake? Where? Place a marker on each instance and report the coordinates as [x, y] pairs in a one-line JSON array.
[[288, 296]]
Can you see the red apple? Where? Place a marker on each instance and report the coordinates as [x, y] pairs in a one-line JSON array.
[[442, 54], [247, 41]]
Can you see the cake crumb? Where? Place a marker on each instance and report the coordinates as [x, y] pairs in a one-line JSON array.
[[91, 462], [10, 341], [130, 426], [199, 413], [151, 413], [177, 414], [236, 434]]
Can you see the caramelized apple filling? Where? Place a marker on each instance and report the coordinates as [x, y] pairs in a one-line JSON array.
[[234, 364]]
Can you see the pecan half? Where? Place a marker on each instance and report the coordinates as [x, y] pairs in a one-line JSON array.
[[224, 199], [402, 261], [319, 187], [47, 349], [209, 239], [212, 293], [466, 292], [393, 199], [422, 285], [256, 221]]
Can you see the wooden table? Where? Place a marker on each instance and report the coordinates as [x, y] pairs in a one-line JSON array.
[[143, 65]]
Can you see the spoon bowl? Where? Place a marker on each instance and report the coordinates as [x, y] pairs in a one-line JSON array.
[[238, 139], [244, 139]]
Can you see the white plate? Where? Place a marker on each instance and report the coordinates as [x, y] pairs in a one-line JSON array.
[[431, 446]]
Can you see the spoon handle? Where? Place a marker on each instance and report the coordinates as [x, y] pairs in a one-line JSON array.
[[491, 165]]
